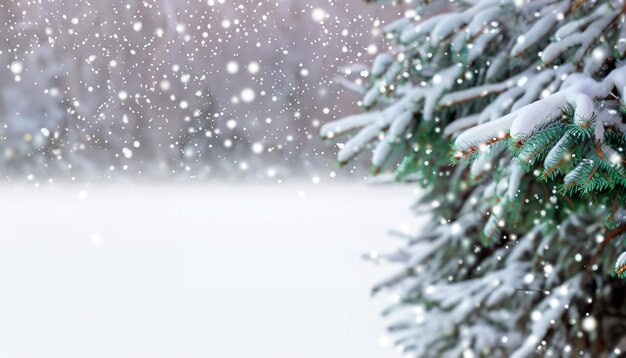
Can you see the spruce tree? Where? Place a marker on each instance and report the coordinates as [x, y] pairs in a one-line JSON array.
[[510, 113]]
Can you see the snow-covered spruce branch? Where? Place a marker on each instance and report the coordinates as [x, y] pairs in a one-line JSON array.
[[579, 90], [468, 34], [532, 94]]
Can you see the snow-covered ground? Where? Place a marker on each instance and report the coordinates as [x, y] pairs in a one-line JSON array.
[[198, 271]]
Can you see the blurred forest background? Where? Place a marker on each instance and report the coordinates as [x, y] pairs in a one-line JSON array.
[[170, 88], [217, 91]]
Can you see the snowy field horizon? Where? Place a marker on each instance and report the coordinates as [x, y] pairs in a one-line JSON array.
[[165, 190], [221, 270]]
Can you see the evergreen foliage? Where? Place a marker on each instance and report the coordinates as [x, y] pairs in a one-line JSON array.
[[522, 256]]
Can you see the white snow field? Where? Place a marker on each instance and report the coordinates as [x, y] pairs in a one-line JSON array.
[[215, 271]]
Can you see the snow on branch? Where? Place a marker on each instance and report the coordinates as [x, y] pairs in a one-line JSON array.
[[578, 90], [534, 94], [477, 31]]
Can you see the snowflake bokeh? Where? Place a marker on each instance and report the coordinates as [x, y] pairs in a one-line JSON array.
[[192, 89]]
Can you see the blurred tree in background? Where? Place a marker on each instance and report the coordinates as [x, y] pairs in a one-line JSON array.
[[200, 89]]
